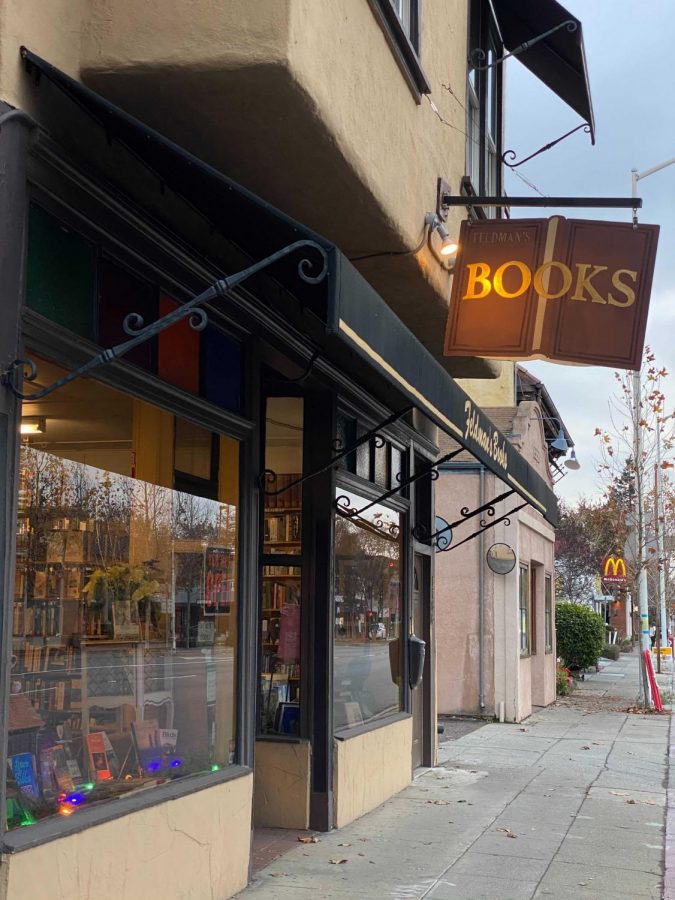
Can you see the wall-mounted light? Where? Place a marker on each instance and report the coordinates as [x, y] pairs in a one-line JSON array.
[[572, 463], [449, 247], [33, 425]]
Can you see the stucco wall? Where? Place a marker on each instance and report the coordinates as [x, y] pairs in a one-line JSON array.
[[194, 847], [282, 784], [370, 768], [457, 603]]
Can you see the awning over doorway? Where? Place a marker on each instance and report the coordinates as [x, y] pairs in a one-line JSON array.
[[357, 323], [559, 60]]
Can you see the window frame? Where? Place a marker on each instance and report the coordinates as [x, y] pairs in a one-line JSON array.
[[406, 47], [533, 609], [125, 235], [524, 634], [484, 100], [548, 613]]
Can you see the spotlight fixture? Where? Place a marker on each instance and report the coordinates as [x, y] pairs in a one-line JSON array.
[[33, 425], [572, 463], [560, 443], [448, 246]]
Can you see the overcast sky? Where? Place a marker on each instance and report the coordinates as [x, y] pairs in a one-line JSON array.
[[630, 58]]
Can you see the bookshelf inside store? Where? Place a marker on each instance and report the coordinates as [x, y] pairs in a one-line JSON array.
[[124, 614], [280, 624]]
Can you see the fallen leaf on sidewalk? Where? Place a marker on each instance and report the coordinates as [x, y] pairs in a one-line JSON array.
[[585, 748], [441, 802], [523, 729], [308, 840], [279, 874], [632, 802], [337, 862], [619, 793], [508, 832]]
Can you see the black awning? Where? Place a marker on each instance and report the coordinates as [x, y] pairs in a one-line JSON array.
[[559, 60], [357, 325]]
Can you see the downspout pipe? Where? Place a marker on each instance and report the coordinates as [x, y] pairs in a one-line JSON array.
[[481, 599]]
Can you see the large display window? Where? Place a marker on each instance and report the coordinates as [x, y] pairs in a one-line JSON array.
[[367, 683], [124, 616]]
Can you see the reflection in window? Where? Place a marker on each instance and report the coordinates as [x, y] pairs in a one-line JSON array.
[[124, 614], [367, 663], [524, 611]]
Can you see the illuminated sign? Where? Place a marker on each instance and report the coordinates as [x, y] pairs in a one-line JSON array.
[[561, 289], [614, 570]]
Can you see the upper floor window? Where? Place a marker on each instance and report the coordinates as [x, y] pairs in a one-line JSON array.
[[400, 21], [484, 106]]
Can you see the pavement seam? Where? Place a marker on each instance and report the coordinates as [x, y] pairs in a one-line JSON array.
[[483, 832]]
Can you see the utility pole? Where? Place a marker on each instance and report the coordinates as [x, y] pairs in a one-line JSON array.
[[645, 642]]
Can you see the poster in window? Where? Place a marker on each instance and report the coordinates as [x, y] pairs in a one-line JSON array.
[[219, 580], [289, 634]]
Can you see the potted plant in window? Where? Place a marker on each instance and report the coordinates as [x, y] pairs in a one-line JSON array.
[[113, 595]]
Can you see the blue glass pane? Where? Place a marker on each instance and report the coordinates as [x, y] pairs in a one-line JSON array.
[[221, 369]]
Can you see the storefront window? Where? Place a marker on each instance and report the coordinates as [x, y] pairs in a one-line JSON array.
[[125, 609], [281, 606], [368, 610], [524, 610]]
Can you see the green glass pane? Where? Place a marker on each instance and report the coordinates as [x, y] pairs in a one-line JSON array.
[[61, 273]]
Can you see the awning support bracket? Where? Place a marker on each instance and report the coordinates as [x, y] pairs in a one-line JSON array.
[[342, 502], [477, 55], [485, 526], [269, 476], [442, 538], [25, 370], [448, 200], [512, 154]]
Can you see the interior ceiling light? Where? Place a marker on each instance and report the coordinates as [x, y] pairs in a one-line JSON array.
[[33, 425]]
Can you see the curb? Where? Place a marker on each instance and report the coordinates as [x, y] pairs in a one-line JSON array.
[[669, 875]]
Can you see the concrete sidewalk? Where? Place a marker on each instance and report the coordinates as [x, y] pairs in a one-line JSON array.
[[571, 803]]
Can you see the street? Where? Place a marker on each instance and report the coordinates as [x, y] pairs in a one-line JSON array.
[[570, 803]]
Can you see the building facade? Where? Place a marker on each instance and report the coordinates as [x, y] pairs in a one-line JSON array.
[[219, 422]]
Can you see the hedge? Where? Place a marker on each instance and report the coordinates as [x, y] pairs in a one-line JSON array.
[[580, 635]]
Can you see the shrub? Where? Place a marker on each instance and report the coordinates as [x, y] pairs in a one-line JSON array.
[[611, 651], [580, 635], [626, 645], [564, 683]]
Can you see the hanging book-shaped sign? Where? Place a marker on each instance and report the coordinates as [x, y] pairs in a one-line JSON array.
[[568, 290]]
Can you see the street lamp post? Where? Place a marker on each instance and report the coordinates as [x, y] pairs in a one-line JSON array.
[[645, 642]]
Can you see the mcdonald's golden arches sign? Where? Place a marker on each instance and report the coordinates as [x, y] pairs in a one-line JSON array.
[[614, 570]]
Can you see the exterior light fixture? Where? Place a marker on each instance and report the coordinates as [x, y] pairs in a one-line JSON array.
[[572, 463], [560, 443], [448, 247], [33, 425]]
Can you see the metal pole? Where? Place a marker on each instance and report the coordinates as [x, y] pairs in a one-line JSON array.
[[645, 643], [657, 580], [660, 552]]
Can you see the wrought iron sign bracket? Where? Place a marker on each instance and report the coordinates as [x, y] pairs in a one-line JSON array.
[[342, 502], [448, 200], [24, 369], [442, 539], [513, 155], [269, 476], [485, 526], [477, 56]]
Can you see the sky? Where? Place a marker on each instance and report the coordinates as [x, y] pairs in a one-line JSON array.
[[629, 55]]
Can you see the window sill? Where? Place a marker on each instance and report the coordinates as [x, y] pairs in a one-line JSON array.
[[404, 52], [348, 733], [57, 827]]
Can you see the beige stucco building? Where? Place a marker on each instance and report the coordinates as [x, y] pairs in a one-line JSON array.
[[212, 551]]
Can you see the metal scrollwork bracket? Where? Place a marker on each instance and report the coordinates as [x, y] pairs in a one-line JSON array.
[[269, 476], [511, 154], [22, 370], [342, 502], [442, 538], [485, 526], [477, 56]]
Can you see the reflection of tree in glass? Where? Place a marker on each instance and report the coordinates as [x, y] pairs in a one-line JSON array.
[[367, 575]]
